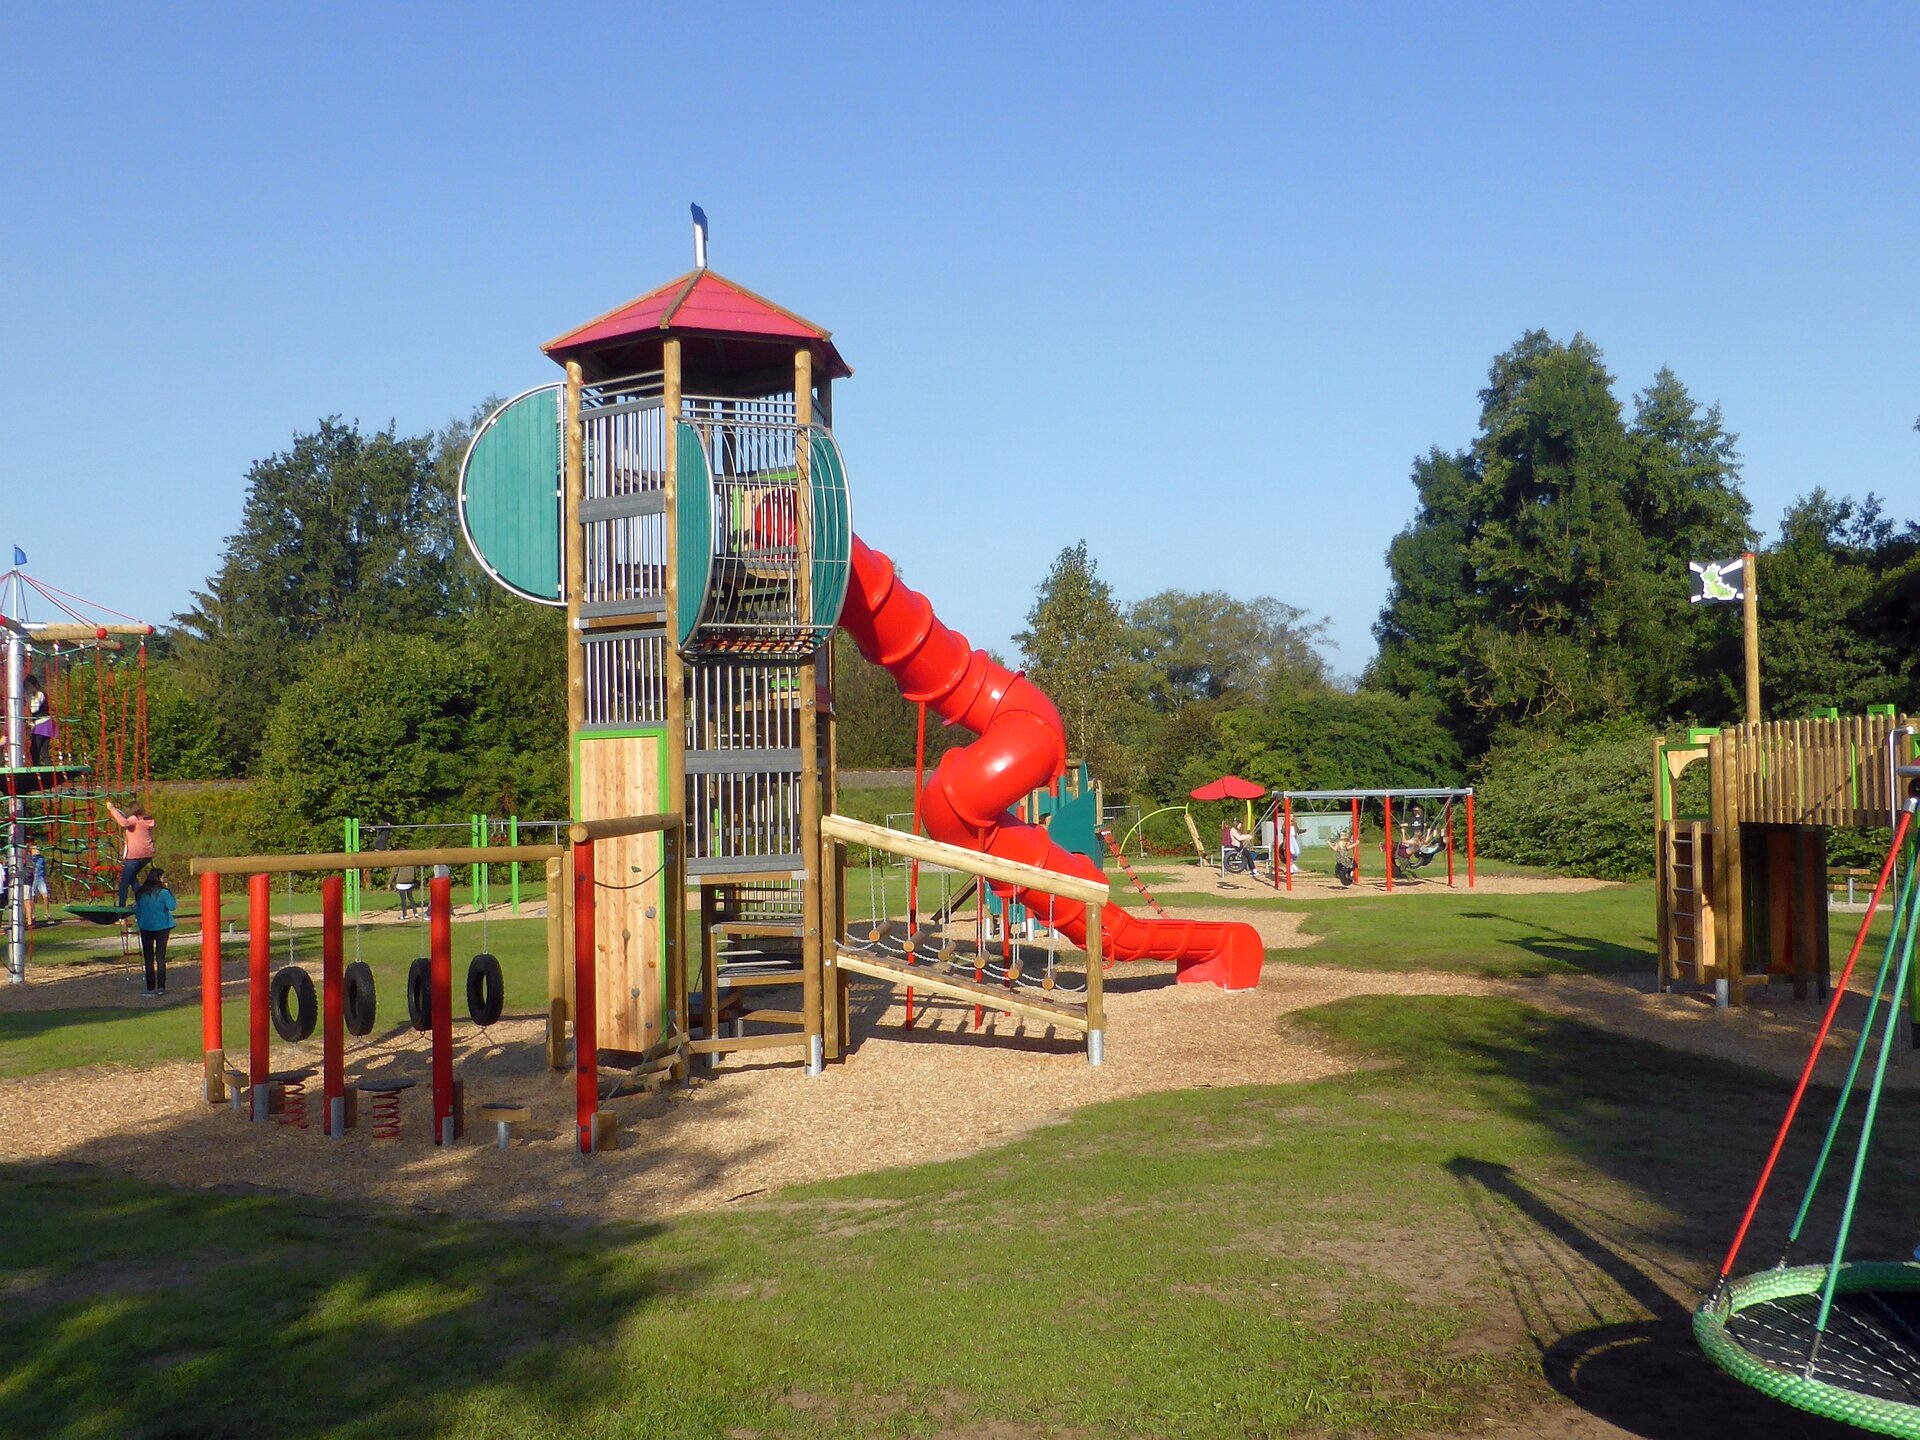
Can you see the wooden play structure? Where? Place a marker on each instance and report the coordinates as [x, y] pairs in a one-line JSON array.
[[682, 496], [1741, 885]]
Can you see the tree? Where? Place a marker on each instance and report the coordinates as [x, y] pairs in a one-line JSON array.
[[382, 728], [344, 533], [1538, 583], [1207, 645], [1829, 628], [1075, 648]]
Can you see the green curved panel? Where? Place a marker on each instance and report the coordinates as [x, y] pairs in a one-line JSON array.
[[832, 532], [510, 491], [693, 538]]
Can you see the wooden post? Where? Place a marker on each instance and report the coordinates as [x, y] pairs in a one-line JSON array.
[[673, 928], [556, 967], [1750, 623], [446, 1125], [259, 964], [586, 1090], [810, 778], [576, 547], [333, 1031], [1096, 979], [212, 1046]]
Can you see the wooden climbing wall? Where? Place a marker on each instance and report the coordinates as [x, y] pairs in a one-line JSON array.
[[618, 775]]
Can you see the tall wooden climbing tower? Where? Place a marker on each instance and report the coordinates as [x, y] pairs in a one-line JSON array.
[[706, 542]]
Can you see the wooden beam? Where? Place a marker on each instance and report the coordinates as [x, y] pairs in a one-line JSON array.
[[613, 828], [65, 631], [972, 862], [367, 859]]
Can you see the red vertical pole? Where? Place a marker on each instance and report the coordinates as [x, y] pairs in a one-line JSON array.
[[1449, 844], [1469, 840], [440, 973], [259, 960], [210, 1039], [586, 1038], [1354, 830], [1386, 844], [333, 1033]]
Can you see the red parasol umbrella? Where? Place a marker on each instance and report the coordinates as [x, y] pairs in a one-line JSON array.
[[1231, 787]]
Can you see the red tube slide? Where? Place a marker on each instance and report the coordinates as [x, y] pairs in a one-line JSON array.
[[1021, 747]]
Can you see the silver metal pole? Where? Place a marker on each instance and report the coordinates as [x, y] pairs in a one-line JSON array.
[[16, 813]]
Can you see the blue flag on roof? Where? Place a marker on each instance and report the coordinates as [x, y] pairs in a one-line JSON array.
[[19, 556]]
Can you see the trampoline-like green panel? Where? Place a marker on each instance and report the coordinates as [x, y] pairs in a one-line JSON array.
[[510, 494], [832, 532], [693, 538]]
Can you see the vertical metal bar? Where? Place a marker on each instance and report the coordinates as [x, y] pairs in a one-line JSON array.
[[213, 1048], [586, 1090], [440, 972], [259, 963], [333, 1033]]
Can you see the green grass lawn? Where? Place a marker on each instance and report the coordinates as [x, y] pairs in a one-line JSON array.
[[33, 1041], [1498, 1210]]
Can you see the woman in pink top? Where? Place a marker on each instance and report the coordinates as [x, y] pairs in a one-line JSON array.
[[139, 848]]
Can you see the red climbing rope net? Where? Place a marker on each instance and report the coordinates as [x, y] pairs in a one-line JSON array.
[[96, 698]]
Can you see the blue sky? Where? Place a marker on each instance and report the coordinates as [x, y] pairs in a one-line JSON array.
[[1194, 286]]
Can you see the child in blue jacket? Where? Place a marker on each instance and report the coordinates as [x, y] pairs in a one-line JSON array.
[[153, 913]]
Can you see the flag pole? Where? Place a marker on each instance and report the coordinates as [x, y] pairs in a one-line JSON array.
[[1750, 615]]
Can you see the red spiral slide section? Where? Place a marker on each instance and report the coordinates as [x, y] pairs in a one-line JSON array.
[[1021, 748]]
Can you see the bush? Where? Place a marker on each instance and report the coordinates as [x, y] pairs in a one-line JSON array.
[[1584, 806], [380, 729]]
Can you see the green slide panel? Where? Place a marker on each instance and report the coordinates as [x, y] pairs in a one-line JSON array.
[[510, 494]]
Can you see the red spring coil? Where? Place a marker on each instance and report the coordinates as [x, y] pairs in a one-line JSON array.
[[293, 1104], [386, 1114]]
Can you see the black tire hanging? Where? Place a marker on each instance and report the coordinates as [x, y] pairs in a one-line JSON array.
[[420, 993], [356, 997], [292, 1021], [486, 989]]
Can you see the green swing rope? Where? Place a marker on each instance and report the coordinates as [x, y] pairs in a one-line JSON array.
[[1866, 1136], [1903, 910]]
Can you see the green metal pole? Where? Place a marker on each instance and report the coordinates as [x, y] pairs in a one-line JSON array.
[[1866, 1136], [513, 875], [1902, 908]]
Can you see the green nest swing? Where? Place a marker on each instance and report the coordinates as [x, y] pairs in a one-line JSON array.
[[99, 912], [1839, 1340]]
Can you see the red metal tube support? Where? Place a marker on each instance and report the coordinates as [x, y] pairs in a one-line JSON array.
[[211, 1043], [1386, 842], [259, 962], [1353, 832], [1469, 840], [1286, 843], [333, 1032], [440, 974], [586, 1038]]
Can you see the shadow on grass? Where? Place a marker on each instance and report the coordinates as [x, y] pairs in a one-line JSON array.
[[1644, 1376], [245, 1317], [1603, 1276]]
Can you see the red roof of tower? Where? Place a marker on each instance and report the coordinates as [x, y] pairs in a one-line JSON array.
[[699, 302]]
